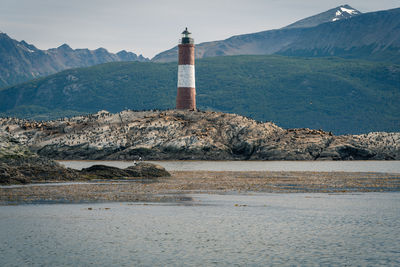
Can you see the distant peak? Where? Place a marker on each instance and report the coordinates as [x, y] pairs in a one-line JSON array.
[[349, 9], [27, 47], [124, 52], [334, 14], [64, 47], [101, 49], [345, 12]]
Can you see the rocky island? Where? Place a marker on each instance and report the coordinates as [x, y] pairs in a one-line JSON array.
[[28, 149], [195, 135]]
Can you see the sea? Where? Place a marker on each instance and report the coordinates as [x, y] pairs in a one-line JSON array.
[[247, 229], [297, 229]]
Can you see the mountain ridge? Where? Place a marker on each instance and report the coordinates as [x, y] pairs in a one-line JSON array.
[[280, 41], [334, 14], [21, 61]]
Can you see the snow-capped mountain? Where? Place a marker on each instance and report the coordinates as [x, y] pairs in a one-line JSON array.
[[334, 14], [342, 31], [345, 13]]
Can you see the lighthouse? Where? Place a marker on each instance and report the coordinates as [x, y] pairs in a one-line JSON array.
[[186, 95]]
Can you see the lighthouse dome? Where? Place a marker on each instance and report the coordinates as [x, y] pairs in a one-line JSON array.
[[186, 37]]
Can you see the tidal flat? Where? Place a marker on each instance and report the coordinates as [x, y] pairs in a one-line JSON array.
[[182, 183]]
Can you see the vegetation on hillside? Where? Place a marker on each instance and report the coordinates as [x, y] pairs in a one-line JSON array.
[[343, 96]]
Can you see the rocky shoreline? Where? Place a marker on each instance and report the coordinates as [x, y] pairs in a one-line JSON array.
[[41, 170], [197, 135], [19, 165]]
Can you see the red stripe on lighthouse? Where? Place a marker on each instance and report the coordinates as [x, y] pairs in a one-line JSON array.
[[186, 98], [186, 54], [186, 94]]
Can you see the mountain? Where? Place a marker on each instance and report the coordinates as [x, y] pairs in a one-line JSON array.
[[339, 95], [20, 61], [372, 36], [334, 14], [342, 31]]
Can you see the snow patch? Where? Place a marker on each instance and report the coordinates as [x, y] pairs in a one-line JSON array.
[[350, 11], [341, 13], [25, 48]]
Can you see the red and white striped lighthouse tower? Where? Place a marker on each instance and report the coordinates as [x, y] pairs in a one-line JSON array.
[[186, 96]]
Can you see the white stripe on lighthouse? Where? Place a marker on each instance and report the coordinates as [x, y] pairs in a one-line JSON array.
[[186, 76]]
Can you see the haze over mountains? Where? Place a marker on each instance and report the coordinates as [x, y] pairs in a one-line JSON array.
[[342, 31], [338, 70], [20, 61]]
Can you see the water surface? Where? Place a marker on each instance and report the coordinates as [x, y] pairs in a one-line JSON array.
[[224, 230]]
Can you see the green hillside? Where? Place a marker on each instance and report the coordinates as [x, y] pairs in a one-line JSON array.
[[343, 96]]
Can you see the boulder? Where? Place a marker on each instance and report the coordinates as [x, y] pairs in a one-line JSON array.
[[143, 169], [104, 172], [147, 170]]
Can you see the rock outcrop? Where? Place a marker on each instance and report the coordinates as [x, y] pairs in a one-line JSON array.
[[161, 135], [141, 169], [18, 165]]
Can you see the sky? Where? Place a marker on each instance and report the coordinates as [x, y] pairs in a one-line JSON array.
[[149, 27]]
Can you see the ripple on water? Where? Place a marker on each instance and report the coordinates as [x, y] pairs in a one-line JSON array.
[[256, 229]]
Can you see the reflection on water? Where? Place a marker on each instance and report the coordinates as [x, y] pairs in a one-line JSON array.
[[198, 165], [258, 229]]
